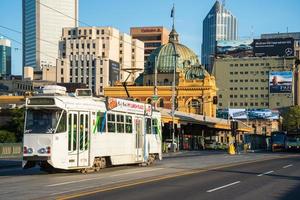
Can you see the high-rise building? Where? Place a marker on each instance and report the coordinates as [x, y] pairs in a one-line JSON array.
[[5, 58], [294, 35], [256, 82], [43, 21], [153, 37], [98, 57], [219, 24]]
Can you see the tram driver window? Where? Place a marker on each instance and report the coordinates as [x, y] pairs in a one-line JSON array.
[[128, 124], [111, 123], [148, 125]]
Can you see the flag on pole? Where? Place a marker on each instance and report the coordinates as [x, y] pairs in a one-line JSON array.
[[172, 11]]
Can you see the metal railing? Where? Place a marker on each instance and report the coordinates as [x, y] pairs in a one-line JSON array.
[[11, 150]]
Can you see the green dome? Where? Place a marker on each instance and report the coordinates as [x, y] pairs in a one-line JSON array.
[[196, 72], [164, 57]]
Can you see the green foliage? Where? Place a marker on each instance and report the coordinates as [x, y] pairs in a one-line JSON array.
[[7, 137], [16, 123], [291, 118]]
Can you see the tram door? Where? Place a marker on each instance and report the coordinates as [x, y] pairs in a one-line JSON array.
[[78, 139], [139, 138]]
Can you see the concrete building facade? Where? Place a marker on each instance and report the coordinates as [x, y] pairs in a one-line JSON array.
[[98, 57], [5, 58], [43, 21], [219, 24], [244, 82], [152, 36]]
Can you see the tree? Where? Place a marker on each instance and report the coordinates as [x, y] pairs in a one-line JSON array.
[[291, 118], [16, 124], [7, 137]]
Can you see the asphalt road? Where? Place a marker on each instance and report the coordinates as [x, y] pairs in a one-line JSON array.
[[183, 176], [273, 179]]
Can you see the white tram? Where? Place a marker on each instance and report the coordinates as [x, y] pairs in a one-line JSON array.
[[87, 133]]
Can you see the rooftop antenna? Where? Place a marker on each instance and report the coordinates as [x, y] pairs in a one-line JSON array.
[[287, 29]]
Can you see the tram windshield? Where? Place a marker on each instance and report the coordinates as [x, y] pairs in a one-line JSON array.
[[45, 121]]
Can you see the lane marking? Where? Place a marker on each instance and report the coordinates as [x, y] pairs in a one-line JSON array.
[[89, 179], [224, 186], [149, 170], [287, 166], [269, 172], [178, 174]]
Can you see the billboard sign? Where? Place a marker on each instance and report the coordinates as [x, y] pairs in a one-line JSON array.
[[250, 114], [114, 72], [280, 81], [273, 47], [234, 48]]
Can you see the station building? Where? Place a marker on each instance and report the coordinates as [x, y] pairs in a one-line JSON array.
[[195, 90]]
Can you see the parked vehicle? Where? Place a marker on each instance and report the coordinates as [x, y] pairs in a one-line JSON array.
[[278, 139], [292, 142]]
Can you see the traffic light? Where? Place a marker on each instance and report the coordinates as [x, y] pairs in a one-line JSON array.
[[215, 100]]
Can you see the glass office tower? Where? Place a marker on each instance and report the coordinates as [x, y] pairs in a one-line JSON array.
[[43, 21], [5, 58], [219, 24]]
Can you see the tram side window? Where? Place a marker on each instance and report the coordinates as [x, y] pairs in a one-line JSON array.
[[148, 125], [62, 126], [120, 123], [155, 126], [101, 118], [128, 124], [111, 123], [70, 133]]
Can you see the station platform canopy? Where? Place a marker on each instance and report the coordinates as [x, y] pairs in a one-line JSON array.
[[184, 118]]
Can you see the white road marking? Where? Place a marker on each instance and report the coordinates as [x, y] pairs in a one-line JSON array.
[[89, 179], [269, 172], [287, 166], [149, 170], [69, 182], [224, 186], [82, 188]]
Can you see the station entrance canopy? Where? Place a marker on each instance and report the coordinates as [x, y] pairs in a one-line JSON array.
[[184, 118]]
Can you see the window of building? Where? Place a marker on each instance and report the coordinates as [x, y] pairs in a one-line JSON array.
[[241, 80], [251, 64], [241, 88], [236, 65], [220, 96], [220, 104], [236, 81], [241, 96], [235, 72], [256, 95], [235, 104], [267, 64], [102, 31], [256, 88], [256, 64], [256, 104], [231, 96], [94, 45], [241, 72], [245, 103], [61, 71], [231, 73], [262, 95], [241, 65], [231, 65], [231, 81], [246, 72], [235, 96], [103, 54], [101, 70], [262, 64], [246, 64], [77, 46], [241, 104], [101, 79], [231, 104]]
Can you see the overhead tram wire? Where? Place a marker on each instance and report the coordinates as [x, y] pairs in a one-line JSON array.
[[22, 44], [16, 31]]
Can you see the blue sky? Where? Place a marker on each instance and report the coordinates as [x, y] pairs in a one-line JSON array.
[[265, 16]]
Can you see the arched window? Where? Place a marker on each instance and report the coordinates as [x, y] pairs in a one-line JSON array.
[[194, 106], [166, 81], [161, 103], [149, 101]]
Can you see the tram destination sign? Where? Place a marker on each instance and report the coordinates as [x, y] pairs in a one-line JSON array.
[[41, 101]]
